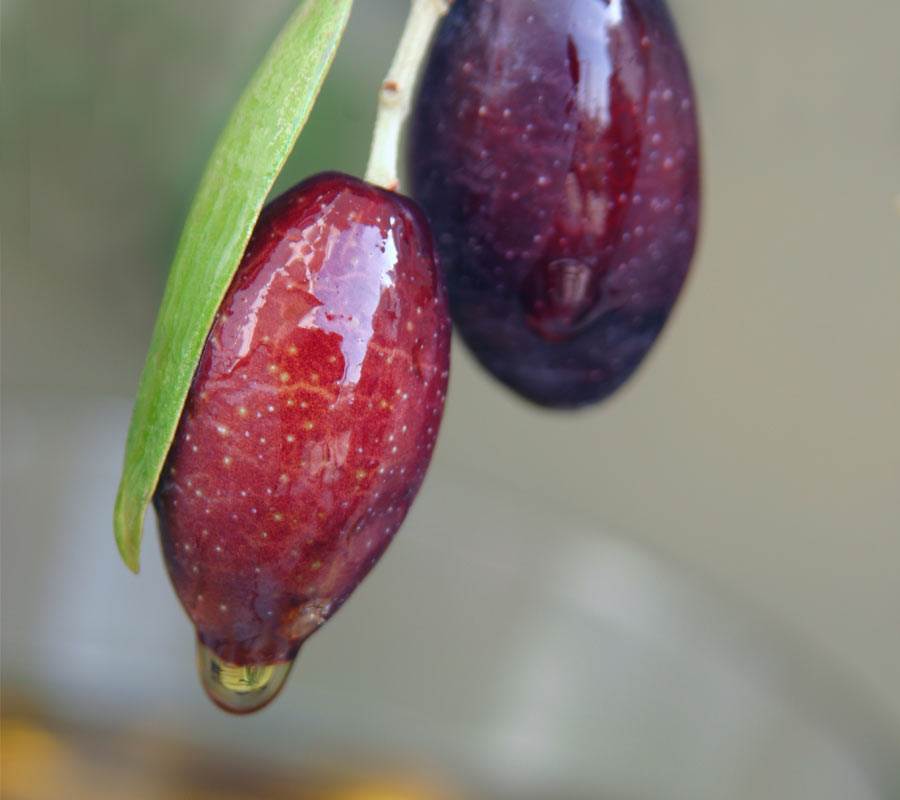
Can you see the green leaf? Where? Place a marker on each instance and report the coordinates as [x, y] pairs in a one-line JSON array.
[[245, 162]]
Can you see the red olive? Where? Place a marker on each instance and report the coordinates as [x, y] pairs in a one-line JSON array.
[[309, 425]]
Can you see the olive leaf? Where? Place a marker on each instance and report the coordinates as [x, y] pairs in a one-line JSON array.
[[246, 160]]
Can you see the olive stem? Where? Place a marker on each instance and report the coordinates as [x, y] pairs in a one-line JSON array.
[[395, 96]]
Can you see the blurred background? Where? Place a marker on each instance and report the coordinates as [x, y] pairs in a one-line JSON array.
[[692, 591]]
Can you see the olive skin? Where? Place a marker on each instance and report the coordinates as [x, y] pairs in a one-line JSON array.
[[311, 419], [554, 147]]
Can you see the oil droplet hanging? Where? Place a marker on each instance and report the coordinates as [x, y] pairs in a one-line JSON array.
[[239, 689]]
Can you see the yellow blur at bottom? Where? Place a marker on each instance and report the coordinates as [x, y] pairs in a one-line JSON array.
[[380, 789], [40, 761]]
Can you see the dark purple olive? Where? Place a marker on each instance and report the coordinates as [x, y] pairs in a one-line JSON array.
[[554, 147]]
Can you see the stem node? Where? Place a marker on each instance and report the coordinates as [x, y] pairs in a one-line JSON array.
[[395, 95]]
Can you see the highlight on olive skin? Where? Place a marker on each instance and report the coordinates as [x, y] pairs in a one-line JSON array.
[[554, 147]]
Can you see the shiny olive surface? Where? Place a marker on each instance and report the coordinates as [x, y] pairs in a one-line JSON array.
[[311, 419], [554, 148]]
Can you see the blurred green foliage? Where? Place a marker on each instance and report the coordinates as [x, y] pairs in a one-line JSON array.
[[110, 110]]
